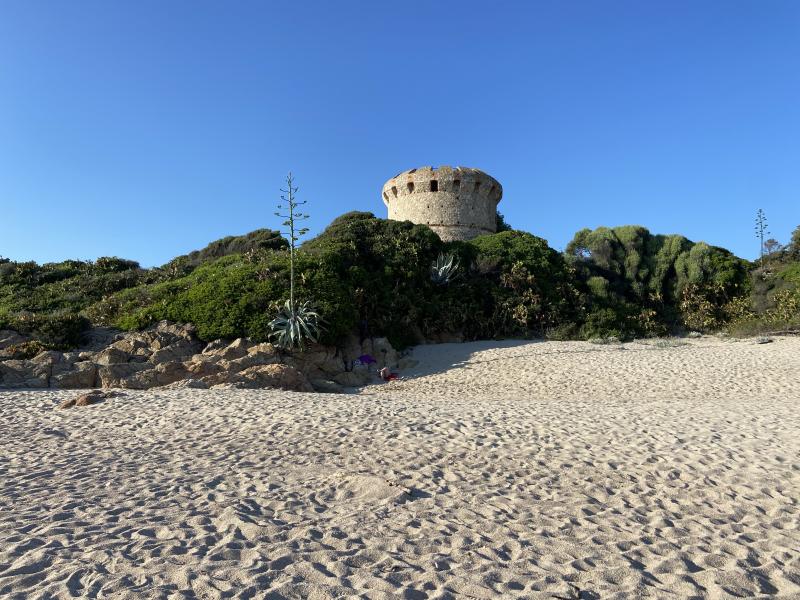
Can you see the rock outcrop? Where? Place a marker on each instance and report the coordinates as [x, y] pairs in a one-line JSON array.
[[169, 355], [94, 397], [10, 338]]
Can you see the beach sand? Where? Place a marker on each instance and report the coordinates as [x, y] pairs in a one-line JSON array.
[[494, 470]]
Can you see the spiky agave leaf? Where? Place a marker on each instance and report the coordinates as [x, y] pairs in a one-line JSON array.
[[444, 268], [295, 325]]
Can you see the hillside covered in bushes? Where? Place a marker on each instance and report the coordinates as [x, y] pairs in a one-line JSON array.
[[386, 278]]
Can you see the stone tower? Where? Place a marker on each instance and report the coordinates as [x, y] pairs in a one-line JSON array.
[[458, 203]]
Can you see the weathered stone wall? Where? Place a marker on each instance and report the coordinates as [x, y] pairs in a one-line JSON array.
[[458, 203]]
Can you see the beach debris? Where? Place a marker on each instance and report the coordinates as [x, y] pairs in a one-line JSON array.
[[366, 359], [55, 432], [669, 343], [764, 340], [386, 374]]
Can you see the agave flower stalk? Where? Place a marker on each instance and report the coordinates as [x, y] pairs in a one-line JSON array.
[[292, 216], [295, 323]]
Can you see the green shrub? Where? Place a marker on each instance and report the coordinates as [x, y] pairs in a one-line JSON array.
[[378, 274], [602, 323], [67, 286], [61, 329], [533, 286], [654, 283], [373, 276], [260, 239], [500, 223], [563, 332], [24, 350], [112, 264]]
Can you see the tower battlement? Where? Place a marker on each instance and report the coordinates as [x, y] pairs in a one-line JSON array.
[[458, 203]]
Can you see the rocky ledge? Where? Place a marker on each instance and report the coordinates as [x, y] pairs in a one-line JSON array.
[[170, 355]]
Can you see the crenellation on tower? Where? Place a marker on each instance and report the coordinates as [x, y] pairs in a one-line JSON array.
[[458, 203]]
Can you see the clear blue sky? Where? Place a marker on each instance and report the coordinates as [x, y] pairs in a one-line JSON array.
[[146, 129]]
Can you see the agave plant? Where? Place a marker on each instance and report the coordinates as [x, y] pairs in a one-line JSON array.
[[443, 269], [295, 325]]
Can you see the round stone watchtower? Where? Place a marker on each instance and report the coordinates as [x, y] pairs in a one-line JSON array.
[[458, 203]]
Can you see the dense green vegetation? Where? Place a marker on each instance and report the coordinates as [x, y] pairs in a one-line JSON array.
[[774, 303], [374, 277], [637, 283], [47, 300]]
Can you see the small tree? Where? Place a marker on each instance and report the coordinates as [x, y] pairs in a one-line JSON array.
[[771, 246], [761, 231], [794, 244], [500, 223], [295, 323]]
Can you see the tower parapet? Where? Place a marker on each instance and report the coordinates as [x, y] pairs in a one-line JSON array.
[[458, 203]]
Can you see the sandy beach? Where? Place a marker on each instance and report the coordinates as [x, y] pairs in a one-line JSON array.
[[492, 470]]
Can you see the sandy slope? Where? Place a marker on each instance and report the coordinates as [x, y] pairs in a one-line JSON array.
[[506, 470]]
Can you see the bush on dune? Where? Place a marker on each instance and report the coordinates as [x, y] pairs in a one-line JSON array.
[[47, 300], [258, 241], [225, 298], [377, 272], [367, 275], [644, 284], [529, 284], [387, 278], [775, 300]]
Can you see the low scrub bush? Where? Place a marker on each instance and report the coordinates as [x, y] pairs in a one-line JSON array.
[[378, 277], [61, 329]]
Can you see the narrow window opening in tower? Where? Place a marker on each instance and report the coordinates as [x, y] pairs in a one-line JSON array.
[[410, 187], [385, 196], [477, 186], [491, 191], [394, 190], [434, 185], [456, 184]]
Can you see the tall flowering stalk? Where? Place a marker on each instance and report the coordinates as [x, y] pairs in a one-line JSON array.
[[295, 323]]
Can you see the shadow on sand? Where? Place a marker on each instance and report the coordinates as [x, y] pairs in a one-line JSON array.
[[439, 358]]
